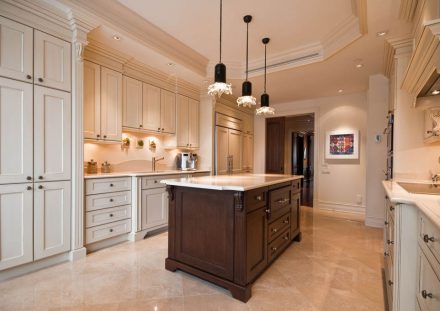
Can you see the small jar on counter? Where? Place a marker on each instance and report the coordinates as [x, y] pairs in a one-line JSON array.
[[92, 167], [105, 167]]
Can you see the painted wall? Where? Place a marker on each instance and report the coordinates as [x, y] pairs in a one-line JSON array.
[[340, 185]]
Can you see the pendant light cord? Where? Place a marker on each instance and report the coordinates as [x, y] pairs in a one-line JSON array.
[[247, 50], [265, 67], [221, 10]]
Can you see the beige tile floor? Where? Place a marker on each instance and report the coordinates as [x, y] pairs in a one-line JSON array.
[[337, 266]]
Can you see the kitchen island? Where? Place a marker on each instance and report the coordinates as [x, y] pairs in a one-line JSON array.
[[228, 229]]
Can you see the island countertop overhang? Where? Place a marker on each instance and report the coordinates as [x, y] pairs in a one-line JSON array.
[[237, 182]]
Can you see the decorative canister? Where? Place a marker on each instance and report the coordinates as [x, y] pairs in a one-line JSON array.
[[105, 167], [92, 167]]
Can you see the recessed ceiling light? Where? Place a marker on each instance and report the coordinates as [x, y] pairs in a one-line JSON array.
[[381, 33], [340, 90], [116, 37], [170, 64], [435, 92], [359, 65]]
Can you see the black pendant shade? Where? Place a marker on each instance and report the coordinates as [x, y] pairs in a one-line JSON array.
[[220, 73], [264, 100], [246, 88]]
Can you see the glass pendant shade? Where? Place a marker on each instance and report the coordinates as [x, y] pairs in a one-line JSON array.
[[246, 99], [265, 110]]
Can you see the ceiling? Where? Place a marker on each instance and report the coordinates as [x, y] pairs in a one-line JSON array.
[[336, 33]]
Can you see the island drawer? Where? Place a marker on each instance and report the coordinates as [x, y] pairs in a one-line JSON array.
[[296, 186], [105, 185], [106, 200], [430, 236], [428, 293], [107, 215], [255, 199], [277, 246], [276, 228], [106, 231], [280, 201], [154, 181]]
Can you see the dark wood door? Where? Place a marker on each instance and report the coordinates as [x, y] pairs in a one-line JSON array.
[[256, 244], [275, 145], [297, 154]]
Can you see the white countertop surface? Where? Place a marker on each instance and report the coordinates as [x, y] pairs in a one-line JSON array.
[[237, 182], [429, 204], [142, 173]]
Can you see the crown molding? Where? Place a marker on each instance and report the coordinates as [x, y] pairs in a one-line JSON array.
[[395, 47], [344, 34], [407, 9], [360, 11]]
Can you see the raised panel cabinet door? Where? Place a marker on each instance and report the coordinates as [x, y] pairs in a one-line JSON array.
[[16, 52], [221, 155], [15, 225], [168, 111], [52, 209], [248, 152], [182, 121], [154, 208], [52, 61], [275, 145], [52, 134], [150, 107], [111, 104], [194, 121], [256, 237], [16, 131], [132, 103], [235, 146], [92, 101]]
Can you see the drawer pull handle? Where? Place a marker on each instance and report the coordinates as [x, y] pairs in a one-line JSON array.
[[259, 198], [286, 221], [427, 239], [111, 215], [155, 181], [111, 185], [29, 178], [391, 208], [40, 79], [28, 77], [390, 242], [386, 254], [286, 237], [111, 230], [390, 283], [40, 187], [282, 201], [274, 230], [111, 200], [274, 249], [28, 188], [267, 211], [386, 223], [425, 294]]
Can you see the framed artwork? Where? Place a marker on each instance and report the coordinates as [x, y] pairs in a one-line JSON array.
[[342, 144]]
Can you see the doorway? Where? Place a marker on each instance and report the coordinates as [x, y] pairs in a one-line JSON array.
[[302, 163]]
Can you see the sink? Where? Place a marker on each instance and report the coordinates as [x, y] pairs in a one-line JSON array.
[[420, 188]]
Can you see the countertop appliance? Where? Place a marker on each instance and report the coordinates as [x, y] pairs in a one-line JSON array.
[[186, 161]]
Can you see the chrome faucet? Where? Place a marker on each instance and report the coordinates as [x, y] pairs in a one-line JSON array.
[[435, 177], [153, 162]]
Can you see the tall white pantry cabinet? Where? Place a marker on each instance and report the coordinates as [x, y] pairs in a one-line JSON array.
[[35, 144]]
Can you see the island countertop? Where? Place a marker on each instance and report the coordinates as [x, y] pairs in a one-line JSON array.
[[236, 182]]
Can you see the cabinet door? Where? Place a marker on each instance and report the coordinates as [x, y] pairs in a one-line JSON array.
[[16, 131], [154, 211], [221, 159], [151, 107], [248, 152], [52, 208], [182, 121], [193, 126], [111, 104], [275, 145], [52, 61], [16, 55], [168, 111], [235, 146], [92, 100], [16, 225], [132, 103], [52, 134], [256, 237], [248, 124]]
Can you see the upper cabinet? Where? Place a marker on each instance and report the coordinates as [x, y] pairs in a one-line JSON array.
[[132, 103], [16, 41], [167, 112], [102, 103], [248, 124], [187, 122], [150, 107]]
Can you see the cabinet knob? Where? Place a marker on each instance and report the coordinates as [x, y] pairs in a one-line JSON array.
[[163, 129], [158, 128], [259, 198], [40, 177], [386, 223], [390, 283], [391, 208], [111, 215], [286, 237], [425, 294], [427, 238], [28, 77], [28, 188], [389, 242], [286, 221], [105, 136], [40, 79], [155, 181], [40, 187], [29, 178], [111, 185], [274, 230], [111, 230], [140, 125], [386, 254], [267, 211], [111, 200], [97, 135], [274, 249]]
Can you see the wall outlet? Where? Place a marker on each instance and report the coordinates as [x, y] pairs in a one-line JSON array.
[[358, 199]]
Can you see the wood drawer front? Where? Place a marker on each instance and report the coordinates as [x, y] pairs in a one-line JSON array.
[[278, 245], [430, 236], [105, 185], [296, 186], [276, 228], [429, 286], [107, 215], [280, 201], [107, 200], [103, 232], [154, 181], [256, 198]]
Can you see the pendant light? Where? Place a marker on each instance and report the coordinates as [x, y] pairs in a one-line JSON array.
[[265, 109], [220, 86], [246, 99]]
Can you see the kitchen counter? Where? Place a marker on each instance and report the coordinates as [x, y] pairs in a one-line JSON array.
[[238, 182], [142, 173], [427, 203]]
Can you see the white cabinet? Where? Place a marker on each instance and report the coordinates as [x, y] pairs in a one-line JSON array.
[[229, 150], [248, 123], [52, 134], [92, 100], [235, 143], [16, 225], [151, 107], [111, 104], [167, 112], [154, 210], [132, 103], [51, 218], [222, 150], [248, 152], [16, 131], [16, 41], [187, 122], [52, 61]]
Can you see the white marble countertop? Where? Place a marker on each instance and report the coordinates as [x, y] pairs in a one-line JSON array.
[[143, 173], [237, 182], [429, 204]]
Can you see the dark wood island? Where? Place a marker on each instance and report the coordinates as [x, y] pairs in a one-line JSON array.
[[229, 229]]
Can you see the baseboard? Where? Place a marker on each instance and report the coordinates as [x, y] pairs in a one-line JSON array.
[[341, 207], [79, 253], [107, 243], [375, 222], [140, 235]]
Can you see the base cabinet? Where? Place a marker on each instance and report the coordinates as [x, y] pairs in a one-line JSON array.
[[154, 208]]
